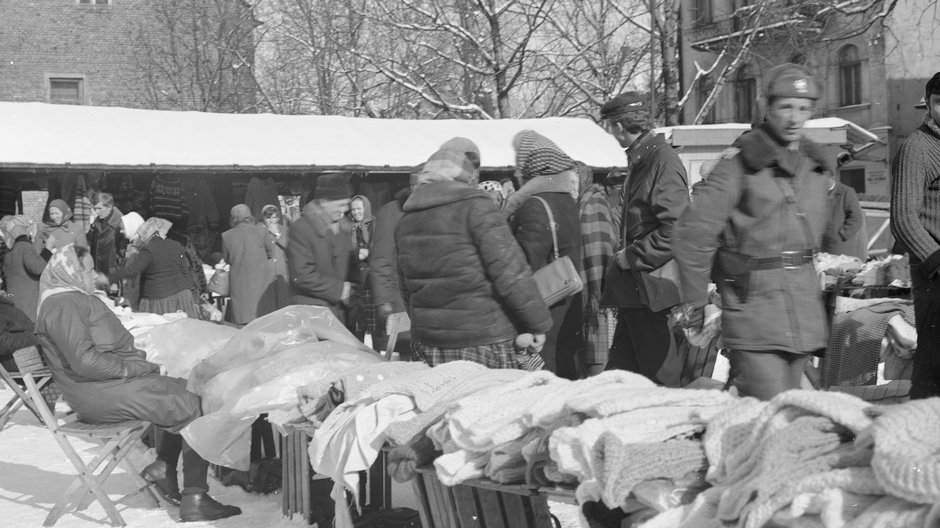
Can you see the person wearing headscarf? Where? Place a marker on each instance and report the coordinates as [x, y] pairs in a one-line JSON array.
[[362, 227], [106, 379], [598, 239], [548, 173], [61, 227], [130, 286], [467, 287], [277, 231], [22, 264], [164, 271], [247, 248]]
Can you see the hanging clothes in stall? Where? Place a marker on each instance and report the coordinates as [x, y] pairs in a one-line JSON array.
[[260, 192], [166, 200]]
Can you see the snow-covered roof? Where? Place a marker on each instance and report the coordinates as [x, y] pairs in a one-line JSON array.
[[53, 136], [826, 130]]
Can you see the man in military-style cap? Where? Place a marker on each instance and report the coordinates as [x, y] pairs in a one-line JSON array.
[[915, 224], [753, 226], [655, 193]]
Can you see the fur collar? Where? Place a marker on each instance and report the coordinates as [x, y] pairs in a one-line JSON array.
[[759, 150]]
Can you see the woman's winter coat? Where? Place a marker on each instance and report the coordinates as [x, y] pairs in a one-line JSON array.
[[22, 267], [464, 278], [100, 373], [318, 260], [247, 248], [742, 204]]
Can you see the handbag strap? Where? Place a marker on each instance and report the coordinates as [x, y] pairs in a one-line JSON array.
[[786, 187], [551, 226]]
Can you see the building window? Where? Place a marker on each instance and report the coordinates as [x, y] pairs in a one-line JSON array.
[[66, 91], [705, 85], [745, 94], [702, 12], [850, 76], [739, 21]]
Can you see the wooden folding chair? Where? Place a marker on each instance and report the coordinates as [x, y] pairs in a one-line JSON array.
[[20, 397], [395, 324], [116, 440]]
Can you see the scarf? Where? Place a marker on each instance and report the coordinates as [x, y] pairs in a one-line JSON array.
[[13, 227], [450, 163], [63, 273], [154, 226], [66, 211], [241, 214], [536, 155]]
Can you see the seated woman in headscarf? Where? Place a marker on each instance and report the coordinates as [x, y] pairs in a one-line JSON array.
[[105, 379], [465, 281], [22, 264], [547, 172], [164, 272]]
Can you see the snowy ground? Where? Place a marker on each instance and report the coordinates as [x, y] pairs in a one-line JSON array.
[[34, 472]]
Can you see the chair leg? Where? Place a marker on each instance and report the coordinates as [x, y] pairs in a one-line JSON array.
[[9, 410], [84, 483]]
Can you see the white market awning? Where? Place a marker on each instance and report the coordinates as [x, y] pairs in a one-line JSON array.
[[39, 135], [825, 130]]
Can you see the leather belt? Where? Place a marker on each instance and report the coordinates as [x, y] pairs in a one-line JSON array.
[[787, 260]]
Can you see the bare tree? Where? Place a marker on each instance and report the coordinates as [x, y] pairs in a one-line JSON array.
[[197, 55]]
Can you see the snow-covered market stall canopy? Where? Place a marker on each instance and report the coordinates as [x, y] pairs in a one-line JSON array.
[[38, 135]]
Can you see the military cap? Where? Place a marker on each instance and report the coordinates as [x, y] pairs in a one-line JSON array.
[[933, 87], [627, 102], [790, 80]]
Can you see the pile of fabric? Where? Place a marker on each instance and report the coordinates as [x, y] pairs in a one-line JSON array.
[[259, 370], [820, 459]]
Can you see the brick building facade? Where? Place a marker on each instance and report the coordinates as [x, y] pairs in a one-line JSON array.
[[109, 53]]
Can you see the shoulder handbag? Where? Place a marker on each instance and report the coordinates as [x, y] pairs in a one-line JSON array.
[[559, 279], [218, 284]]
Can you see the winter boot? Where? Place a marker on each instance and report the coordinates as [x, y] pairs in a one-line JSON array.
[[201, 507], [165, 483]]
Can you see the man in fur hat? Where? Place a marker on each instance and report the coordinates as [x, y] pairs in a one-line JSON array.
[[757, 220]]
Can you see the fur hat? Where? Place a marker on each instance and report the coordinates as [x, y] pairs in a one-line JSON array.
[[790, 80], [333, 186]]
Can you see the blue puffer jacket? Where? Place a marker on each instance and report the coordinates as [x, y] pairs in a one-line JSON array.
[[464, 278]]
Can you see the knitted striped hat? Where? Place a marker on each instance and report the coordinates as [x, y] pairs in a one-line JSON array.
[[536, 155]]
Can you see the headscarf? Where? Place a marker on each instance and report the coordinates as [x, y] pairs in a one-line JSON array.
[[132, 222], [466, 146], [366, 208], [154, 226], [449, 164], [63, 273], [269, 207], [64, 207], [241, 213], [536, 155], [13, 227]]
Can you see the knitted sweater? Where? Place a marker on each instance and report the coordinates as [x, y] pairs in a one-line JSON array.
[[915, 208], [907, 449]]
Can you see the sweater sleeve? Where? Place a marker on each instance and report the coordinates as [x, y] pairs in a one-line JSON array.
[[506, 268], [668, 199], [135, 266], [699, 229], [907, 194], [32, 261], [71, 335]]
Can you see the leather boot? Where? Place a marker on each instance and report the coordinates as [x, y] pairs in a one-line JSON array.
[[166, 485], [201, 507]]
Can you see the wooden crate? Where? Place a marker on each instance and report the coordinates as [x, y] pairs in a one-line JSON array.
[[478, 504]]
